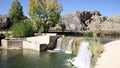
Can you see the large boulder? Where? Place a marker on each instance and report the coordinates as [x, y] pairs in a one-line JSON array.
[[5, 22]]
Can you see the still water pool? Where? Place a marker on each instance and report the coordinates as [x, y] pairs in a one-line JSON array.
[[32, 59]]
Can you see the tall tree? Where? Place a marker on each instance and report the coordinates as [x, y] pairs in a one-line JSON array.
[[44, 13], [15, 12]]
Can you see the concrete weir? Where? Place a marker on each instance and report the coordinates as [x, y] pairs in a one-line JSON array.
[[38, 43], [11, 43]]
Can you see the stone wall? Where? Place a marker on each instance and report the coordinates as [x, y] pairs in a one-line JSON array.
[[12, 44], [31, 45], [44, 39], [38, 43], [39, 39]]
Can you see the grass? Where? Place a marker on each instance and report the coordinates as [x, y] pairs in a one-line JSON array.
[[76, 44], [96, 48], [64, 43]]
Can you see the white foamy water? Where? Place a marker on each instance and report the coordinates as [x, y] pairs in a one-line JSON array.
[[83, 57], [58, 45], [69, 47]]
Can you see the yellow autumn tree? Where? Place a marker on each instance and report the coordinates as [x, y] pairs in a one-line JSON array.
[[44, 13]]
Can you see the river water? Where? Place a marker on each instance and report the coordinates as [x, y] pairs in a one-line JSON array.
[[32, 59]]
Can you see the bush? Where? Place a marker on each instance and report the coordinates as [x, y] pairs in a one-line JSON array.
[[7, 34], [22, 30]]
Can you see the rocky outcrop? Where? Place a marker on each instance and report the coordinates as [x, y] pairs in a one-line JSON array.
[[78, 20], [89, 20], [106, 23], [5, 22]]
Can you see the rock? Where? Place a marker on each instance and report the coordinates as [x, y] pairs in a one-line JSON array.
[[78, 20], [105, 23], [95, 13], [89, 20], [98, 19], [5, 22]]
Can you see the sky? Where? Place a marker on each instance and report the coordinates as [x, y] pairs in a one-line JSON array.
[[106, 7]]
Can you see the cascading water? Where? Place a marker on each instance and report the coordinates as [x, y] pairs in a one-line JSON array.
[[69, 47], [58, 45], [83, 57]]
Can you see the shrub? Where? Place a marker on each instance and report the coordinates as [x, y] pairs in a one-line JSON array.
[[22, 30], [7, 34]]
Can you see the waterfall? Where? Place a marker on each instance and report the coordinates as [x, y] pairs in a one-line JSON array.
[[83, 57], [58, 45], [69, 47]]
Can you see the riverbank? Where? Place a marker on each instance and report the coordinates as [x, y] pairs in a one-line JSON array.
[[110, 58]]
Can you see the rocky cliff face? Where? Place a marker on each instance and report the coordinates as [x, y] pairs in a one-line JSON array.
[[89, 20], [5, 22], [107, 23]]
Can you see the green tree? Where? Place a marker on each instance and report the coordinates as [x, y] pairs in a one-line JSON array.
[[15, 12], [44, 13]]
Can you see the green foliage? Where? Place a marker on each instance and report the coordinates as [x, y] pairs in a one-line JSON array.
[[7, 34], [22, 30], [40, 31], [44, 13], [15, 12], [89, 34]]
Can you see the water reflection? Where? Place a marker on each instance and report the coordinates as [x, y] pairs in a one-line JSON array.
[[32, 59]]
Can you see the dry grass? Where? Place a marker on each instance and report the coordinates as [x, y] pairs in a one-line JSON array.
[[96, 48], [64, 43], [76, 44]]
